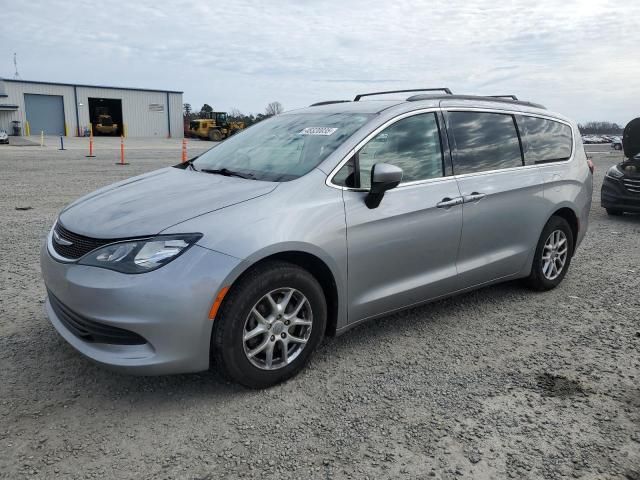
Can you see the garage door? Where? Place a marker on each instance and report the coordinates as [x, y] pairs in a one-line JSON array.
[[45, 113]]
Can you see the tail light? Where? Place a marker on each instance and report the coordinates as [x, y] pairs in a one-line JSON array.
[[592, 167]]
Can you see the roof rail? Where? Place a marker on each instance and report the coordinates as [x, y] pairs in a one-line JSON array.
[[445, 90], [417, 98], [512, 97], [328, 102]]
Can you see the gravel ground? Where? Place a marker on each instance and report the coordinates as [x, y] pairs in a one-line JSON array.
[[498, 383]]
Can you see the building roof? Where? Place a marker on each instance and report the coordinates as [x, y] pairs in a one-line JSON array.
[[91, 86]]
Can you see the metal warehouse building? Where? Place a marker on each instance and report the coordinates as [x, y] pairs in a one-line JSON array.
[[68, 109]]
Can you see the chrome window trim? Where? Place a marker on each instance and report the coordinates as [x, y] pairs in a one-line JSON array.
[[391, 121], [515, 113], [499, 170]]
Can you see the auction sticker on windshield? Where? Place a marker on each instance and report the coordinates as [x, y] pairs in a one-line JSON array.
[[318, 131]]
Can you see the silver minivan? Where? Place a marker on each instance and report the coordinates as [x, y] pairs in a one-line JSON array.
[[312, 222]]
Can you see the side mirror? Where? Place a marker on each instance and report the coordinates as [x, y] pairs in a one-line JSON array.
[[383, 177]]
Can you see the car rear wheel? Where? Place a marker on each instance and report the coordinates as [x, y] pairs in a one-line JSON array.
[[269, 325], [553, 255]]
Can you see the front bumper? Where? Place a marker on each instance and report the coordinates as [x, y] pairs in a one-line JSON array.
[[167, 307], [614, 195]]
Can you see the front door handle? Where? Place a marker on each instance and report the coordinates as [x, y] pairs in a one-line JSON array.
[[449, 202], [474, 197]]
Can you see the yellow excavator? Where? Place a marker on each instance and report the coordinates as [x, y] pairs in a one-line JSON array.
[[215, 127]]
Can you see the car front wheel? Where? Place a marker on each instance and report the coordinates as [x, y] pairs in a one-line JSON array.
[[269, 325]]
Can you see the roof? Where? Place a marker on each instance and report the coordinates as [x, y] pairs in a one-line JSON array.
[[364, 106], [8, 80], [430, 100]]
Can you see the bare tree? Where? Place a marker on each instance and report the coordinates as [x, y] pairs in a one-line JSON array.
[[235, 113], [600, 128], [274, 108]]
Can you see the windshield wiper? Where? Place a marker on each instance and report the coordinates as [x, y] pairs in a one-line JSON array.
[[226, 172]]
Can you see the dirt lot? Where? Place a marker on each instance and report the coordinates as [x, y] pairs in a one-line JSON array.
[[499, 383]]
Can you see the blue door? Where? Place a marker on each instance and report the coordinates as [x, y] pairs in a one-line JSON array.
[[45, 113]]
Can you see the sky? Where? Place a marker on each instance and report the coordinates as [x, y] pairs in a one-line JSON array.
[[579, 58]]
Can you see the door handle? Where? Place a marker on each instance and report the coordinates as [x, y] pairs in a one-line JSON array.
[[449, 202], [474, 197]]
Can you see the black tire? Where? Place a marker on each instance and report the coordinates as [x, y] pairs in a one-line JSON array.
[[617, 147], [613, 212], [537, 280], [215, 135], [227, 344]]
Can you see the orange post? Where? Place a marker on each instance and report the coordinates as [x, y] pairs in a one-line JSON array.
[[184, 150], [122, 162], [91, 155]]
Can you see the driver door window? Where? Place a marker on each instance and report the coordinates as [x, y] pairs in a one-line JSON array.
[[413, 144]]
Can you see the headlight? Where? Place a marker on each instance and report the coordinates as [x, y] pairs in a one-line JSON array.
[[140, 256], [614, 172]]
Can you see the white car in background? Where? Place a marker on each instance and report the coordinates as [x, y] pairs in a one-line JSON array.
[[4, 138], [616, 143]]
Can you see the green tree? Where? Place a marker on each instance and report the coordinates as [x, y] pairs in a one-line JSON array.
[[206, 110]]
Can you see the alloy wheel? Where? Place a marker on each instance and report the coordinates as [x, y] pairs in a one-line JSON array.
[[277, 328], [554, 254]]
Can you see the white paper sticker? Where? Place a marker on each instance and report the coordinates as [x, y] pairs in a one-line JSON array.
[[318, 131]]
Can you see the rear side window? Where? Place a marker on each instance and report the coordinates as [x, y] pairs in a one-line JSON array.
[[545, 140], [484, 141]]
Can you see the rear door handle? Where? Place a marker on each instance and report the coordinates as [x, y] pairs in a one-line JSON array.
[[474, 197], [449, 202]]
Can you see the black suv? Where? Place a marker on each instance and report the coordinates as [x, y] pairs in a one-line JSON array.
[[621, 186]]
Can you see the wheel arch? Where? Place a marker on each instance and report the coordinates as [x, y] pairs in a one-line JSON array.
[[316, 266], [572, 219]]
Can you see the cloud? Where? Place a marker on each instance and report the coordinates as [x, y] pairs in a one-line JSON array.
[[575, 56]]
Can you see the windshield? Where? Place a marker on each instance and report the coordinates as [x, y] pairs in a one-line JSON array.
[[283, 147]]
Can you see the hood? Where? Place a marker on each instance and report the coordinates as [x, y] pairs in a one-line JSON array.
[[631, 138], [150, 203]]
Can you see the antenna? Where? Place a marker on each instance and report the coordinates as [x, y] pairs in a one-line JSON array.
[[16, 75]]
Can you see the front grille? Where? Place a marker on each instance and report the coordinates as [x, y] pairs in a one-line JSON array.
[[80, 245], [632, 186], [91, 331]]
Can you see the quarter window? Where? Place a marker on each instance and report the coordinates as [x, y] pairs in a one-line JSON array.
[[347, 175], [545, 140], [413, 144], [484, 141]]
